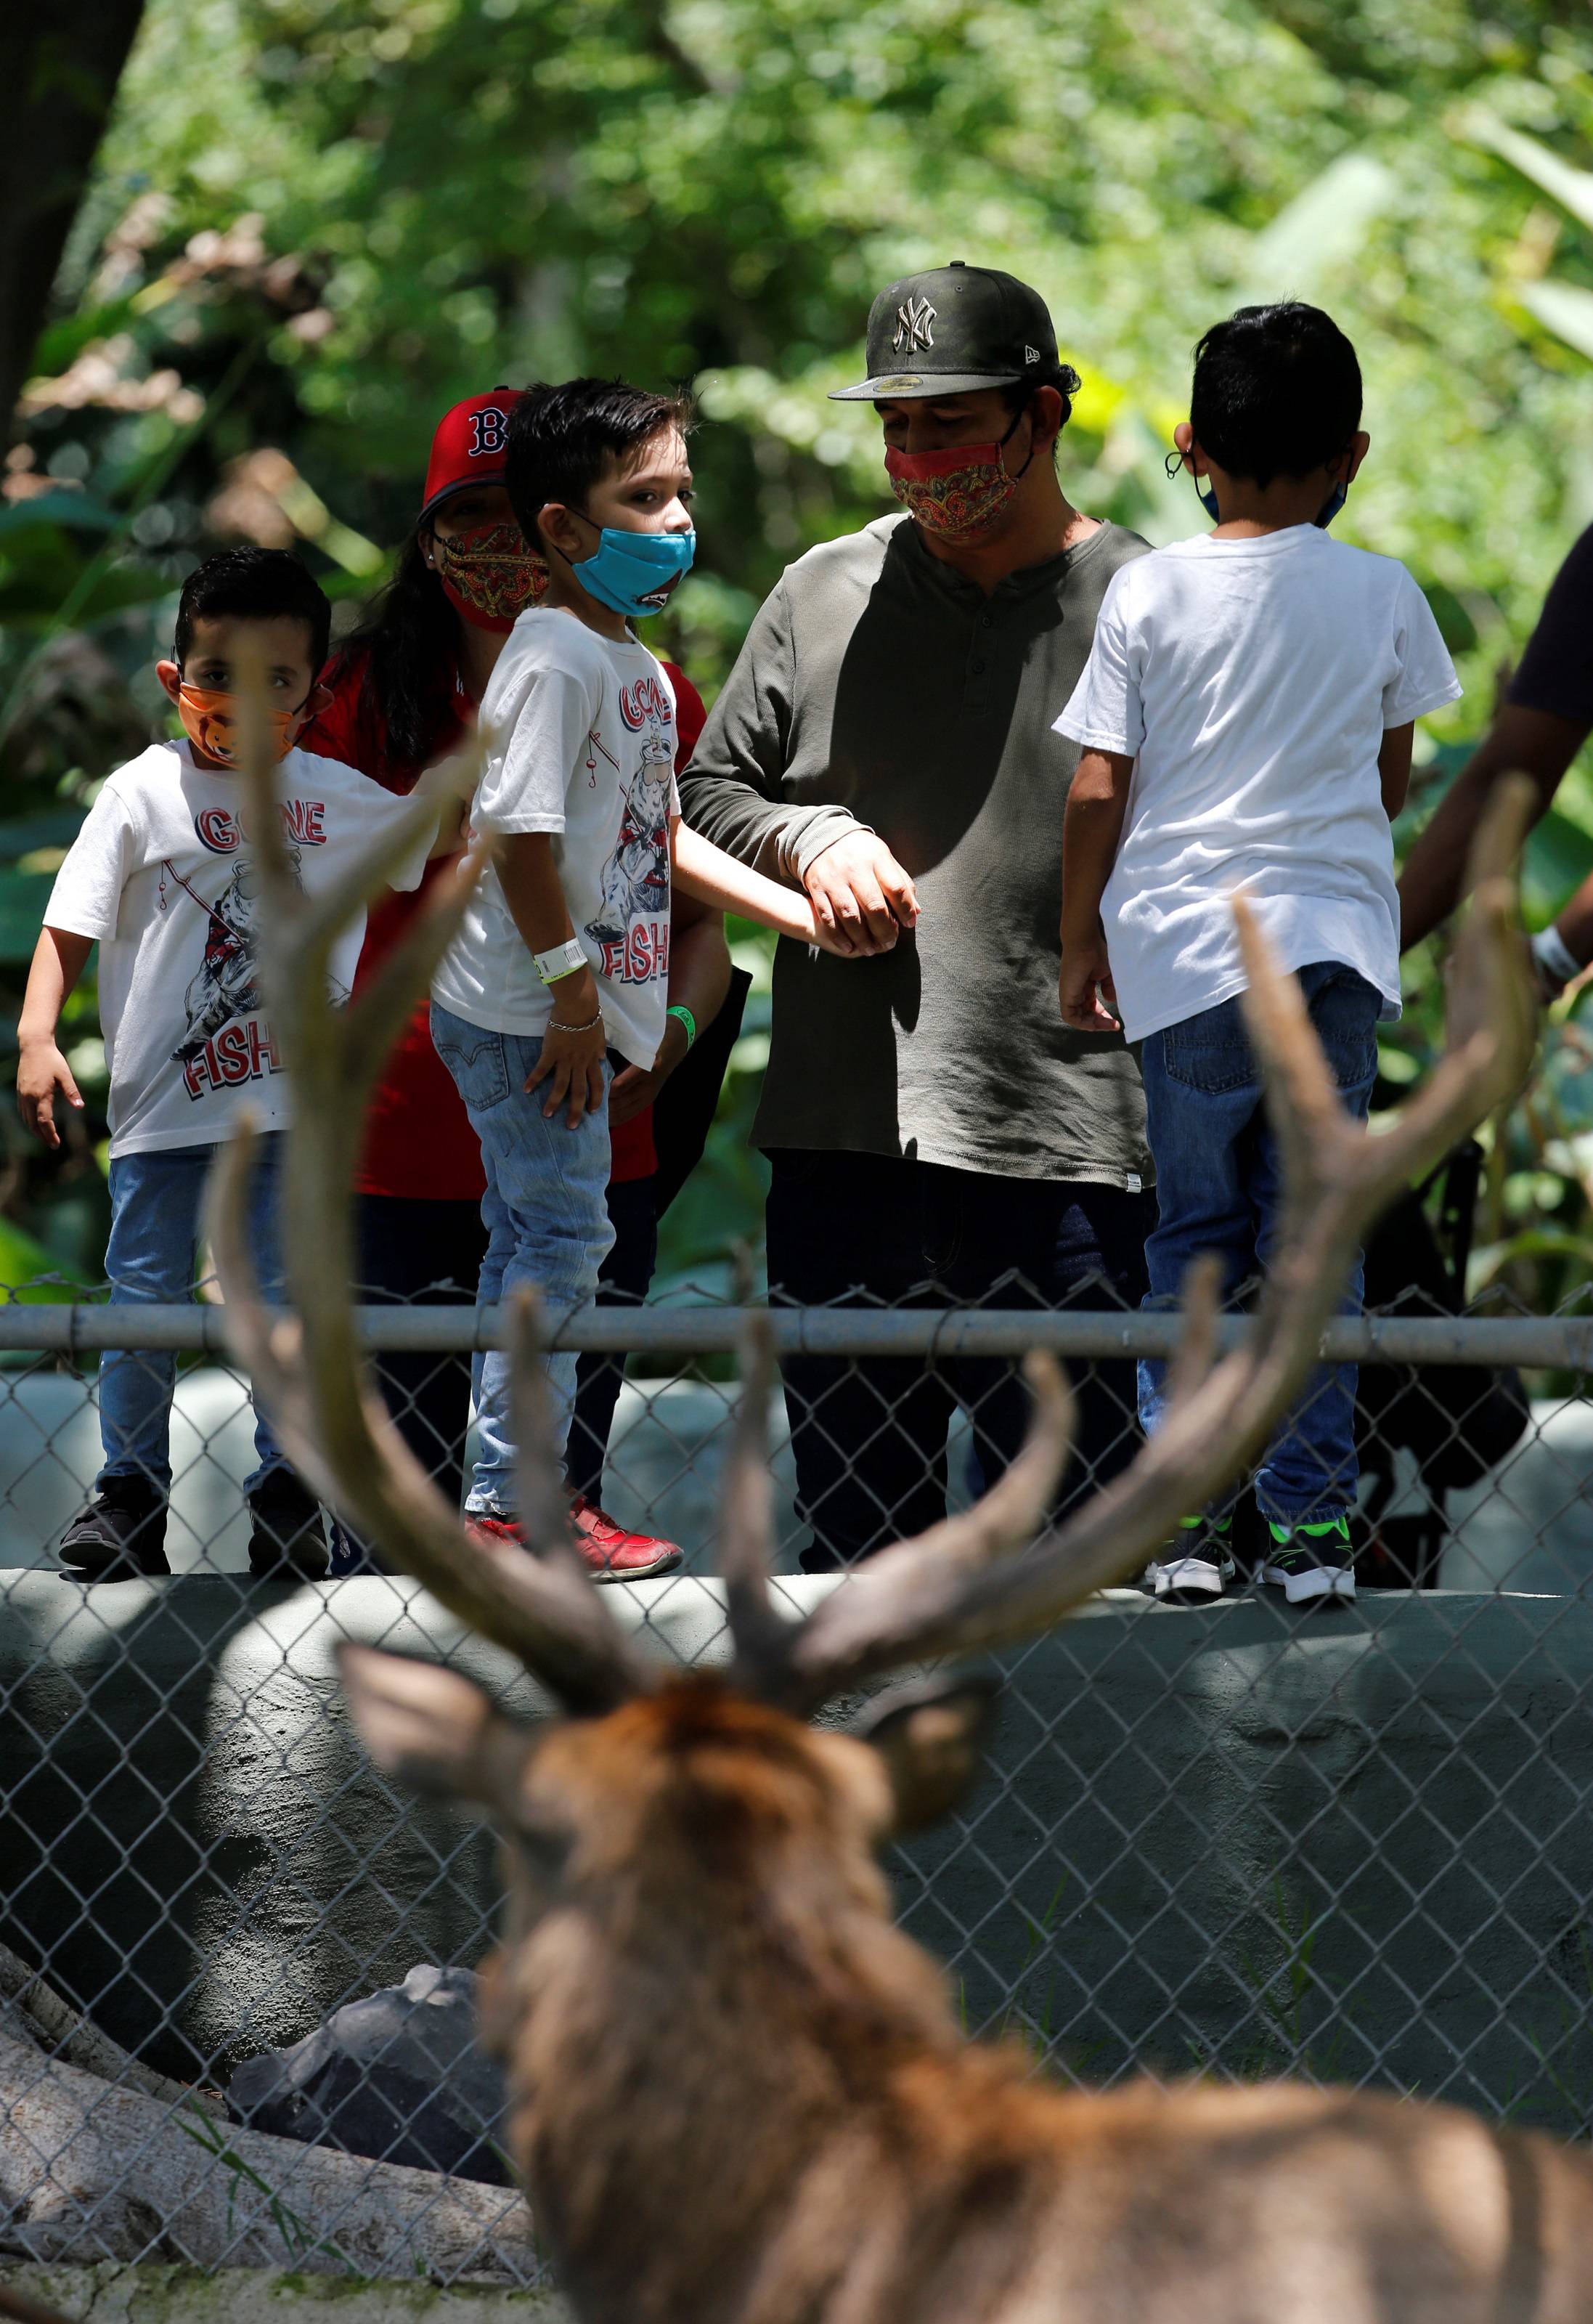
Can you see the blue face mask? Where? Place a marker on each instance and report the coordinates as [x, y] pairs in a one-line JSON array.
[[632, 572], [1208, 498]]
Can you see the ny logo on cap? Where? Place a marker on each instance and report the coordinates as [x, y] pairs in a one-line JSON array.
[[912, 320]]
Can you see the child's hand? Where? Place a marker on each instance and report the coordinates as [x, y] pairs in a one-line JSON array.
[[1086, 974], [811, 929], [860, 894], [634, 1089], [573, 1051], [40, 1072]]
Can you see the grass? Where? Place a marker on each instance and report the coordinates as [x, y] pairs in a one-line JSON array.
[[241, 2172]]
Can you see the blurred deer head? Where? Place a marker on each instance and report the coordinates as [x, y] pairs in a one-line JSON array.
[[739, 2092]]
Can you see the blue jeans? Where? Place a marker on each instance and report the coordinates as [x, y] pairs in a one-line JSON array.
[[1218, 1190], [547, 1223], [150, 1259]]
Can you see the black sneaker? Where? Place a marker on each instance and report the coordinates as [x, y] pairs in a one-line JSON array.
[[1196, 1566], [121, 1535], [287, 1540], [1312, 1564]]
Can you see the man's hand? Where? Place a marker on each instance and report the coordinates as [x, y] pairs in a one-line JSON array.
[[1085, 976], [574, 1048], [40, 1072], [862, 897], [631, 1092]]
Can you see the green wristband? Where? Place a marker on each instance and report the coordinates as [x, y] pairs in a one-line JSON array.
[[678, 1008]]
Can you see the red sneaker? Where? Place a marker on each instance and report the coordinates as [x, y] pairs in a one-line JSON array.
[[613, 1553], [496, 1529]]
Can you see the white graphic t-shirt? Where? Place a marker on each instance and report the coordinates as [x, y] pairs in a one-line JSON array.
[[1253, 681], [580, 742], [163, 876]]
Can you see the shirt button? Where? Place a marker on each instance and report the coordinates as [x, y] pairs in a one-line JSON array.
[[984, 621], [978, 670]]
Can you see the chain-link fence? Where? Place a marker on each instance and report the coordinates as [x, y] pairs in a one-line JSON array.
[[1353, 1843]]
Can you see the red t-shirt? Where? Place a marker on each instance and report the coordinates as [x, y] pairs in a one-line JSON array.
[[418, 1141]]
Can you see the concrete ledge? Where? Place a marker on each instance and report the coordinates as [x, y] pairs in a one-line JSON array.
[[159, 2293], [1357, 1845]]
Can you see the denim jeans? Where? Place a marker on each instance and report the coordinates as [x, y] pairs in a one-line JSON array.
[[546, 1221], [1218, 1190], [151, 1258], [869, 1435]]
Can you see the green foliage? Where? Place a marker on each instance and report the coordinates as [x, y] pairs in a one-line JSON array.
[[315, 223]]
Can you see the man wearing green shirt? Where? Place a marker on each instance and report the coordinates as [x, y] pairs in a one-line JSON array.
[[936, 1134]]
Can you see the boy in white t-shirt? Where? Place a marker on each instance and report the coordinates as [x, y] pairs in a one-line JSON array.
[[1247, 718], [161, 876], [564, 955]]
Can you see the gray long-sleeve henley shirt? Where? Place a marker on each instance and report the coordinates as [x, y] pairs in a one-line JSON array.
[[878, 687]]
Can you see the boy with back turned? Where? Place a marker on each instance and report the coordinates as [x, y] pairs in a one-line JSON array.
[[1246, 721]]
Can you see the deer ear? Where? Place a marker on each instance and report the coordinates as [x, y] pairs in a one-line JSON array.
[[432, 1728], [930, 1735]]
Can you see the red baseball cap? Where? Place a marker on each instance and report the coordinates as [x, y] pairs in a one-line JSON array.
[[469, 446]]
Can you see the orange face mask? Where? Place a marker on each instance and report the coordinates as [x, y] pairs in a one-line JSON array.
[[212, 724]]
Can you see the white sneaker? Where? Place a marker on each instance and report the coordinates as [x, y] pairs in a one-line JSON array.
[[1190, 1581], [1199, 1569]]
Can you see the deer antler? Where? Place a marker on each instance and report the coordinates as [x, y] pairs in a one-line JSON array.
[[939, 1595], [308, 1366]]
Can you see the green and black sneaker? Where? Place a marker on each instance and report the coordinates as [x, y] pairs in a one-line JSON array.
[[1197, 1566], [1310, 1563]]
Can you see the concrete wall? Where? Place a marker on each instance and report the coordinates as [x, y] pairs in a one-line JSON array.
[[1390, 1802]]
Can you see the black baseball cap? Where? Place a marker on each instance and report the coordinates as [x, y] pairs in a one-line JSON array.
[[952, 330]]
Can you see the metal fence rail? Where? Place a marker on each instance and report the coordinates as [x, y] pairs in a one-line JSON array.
[[1356, 1845], [1534, 1342]]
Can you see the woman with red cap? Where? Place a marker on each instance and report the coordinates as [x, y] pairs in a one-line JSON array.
[[405, 684]]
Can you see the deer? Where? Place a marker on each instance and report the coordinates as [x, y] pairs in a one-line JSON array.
[[739, 2093]]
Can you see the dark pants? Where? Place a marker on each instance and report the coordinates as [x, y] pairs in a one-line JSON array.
[[868, 1437], [424, 1254], [429, 1253], [627, 1272]]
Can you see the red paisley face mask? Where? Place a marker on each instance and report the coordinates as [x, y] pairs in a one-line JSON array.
[[489, 576], [957, 493]]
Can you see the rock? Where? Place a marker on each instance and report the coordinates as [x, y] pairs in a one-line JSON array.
[[398, 2076]]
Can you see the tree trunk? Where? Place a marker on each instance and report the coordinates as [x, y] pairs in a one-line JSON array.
[[89, 2173], [61, 64]]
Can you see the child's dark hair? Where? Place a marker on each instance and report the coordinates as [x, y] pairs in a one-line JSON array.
[[559, 439], [1276, 392], [254, 585]]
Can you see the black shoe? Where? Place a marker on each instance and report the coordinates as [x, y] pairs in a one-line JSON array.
[[121, 1535], [1313, 1565], [286, 1536]]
